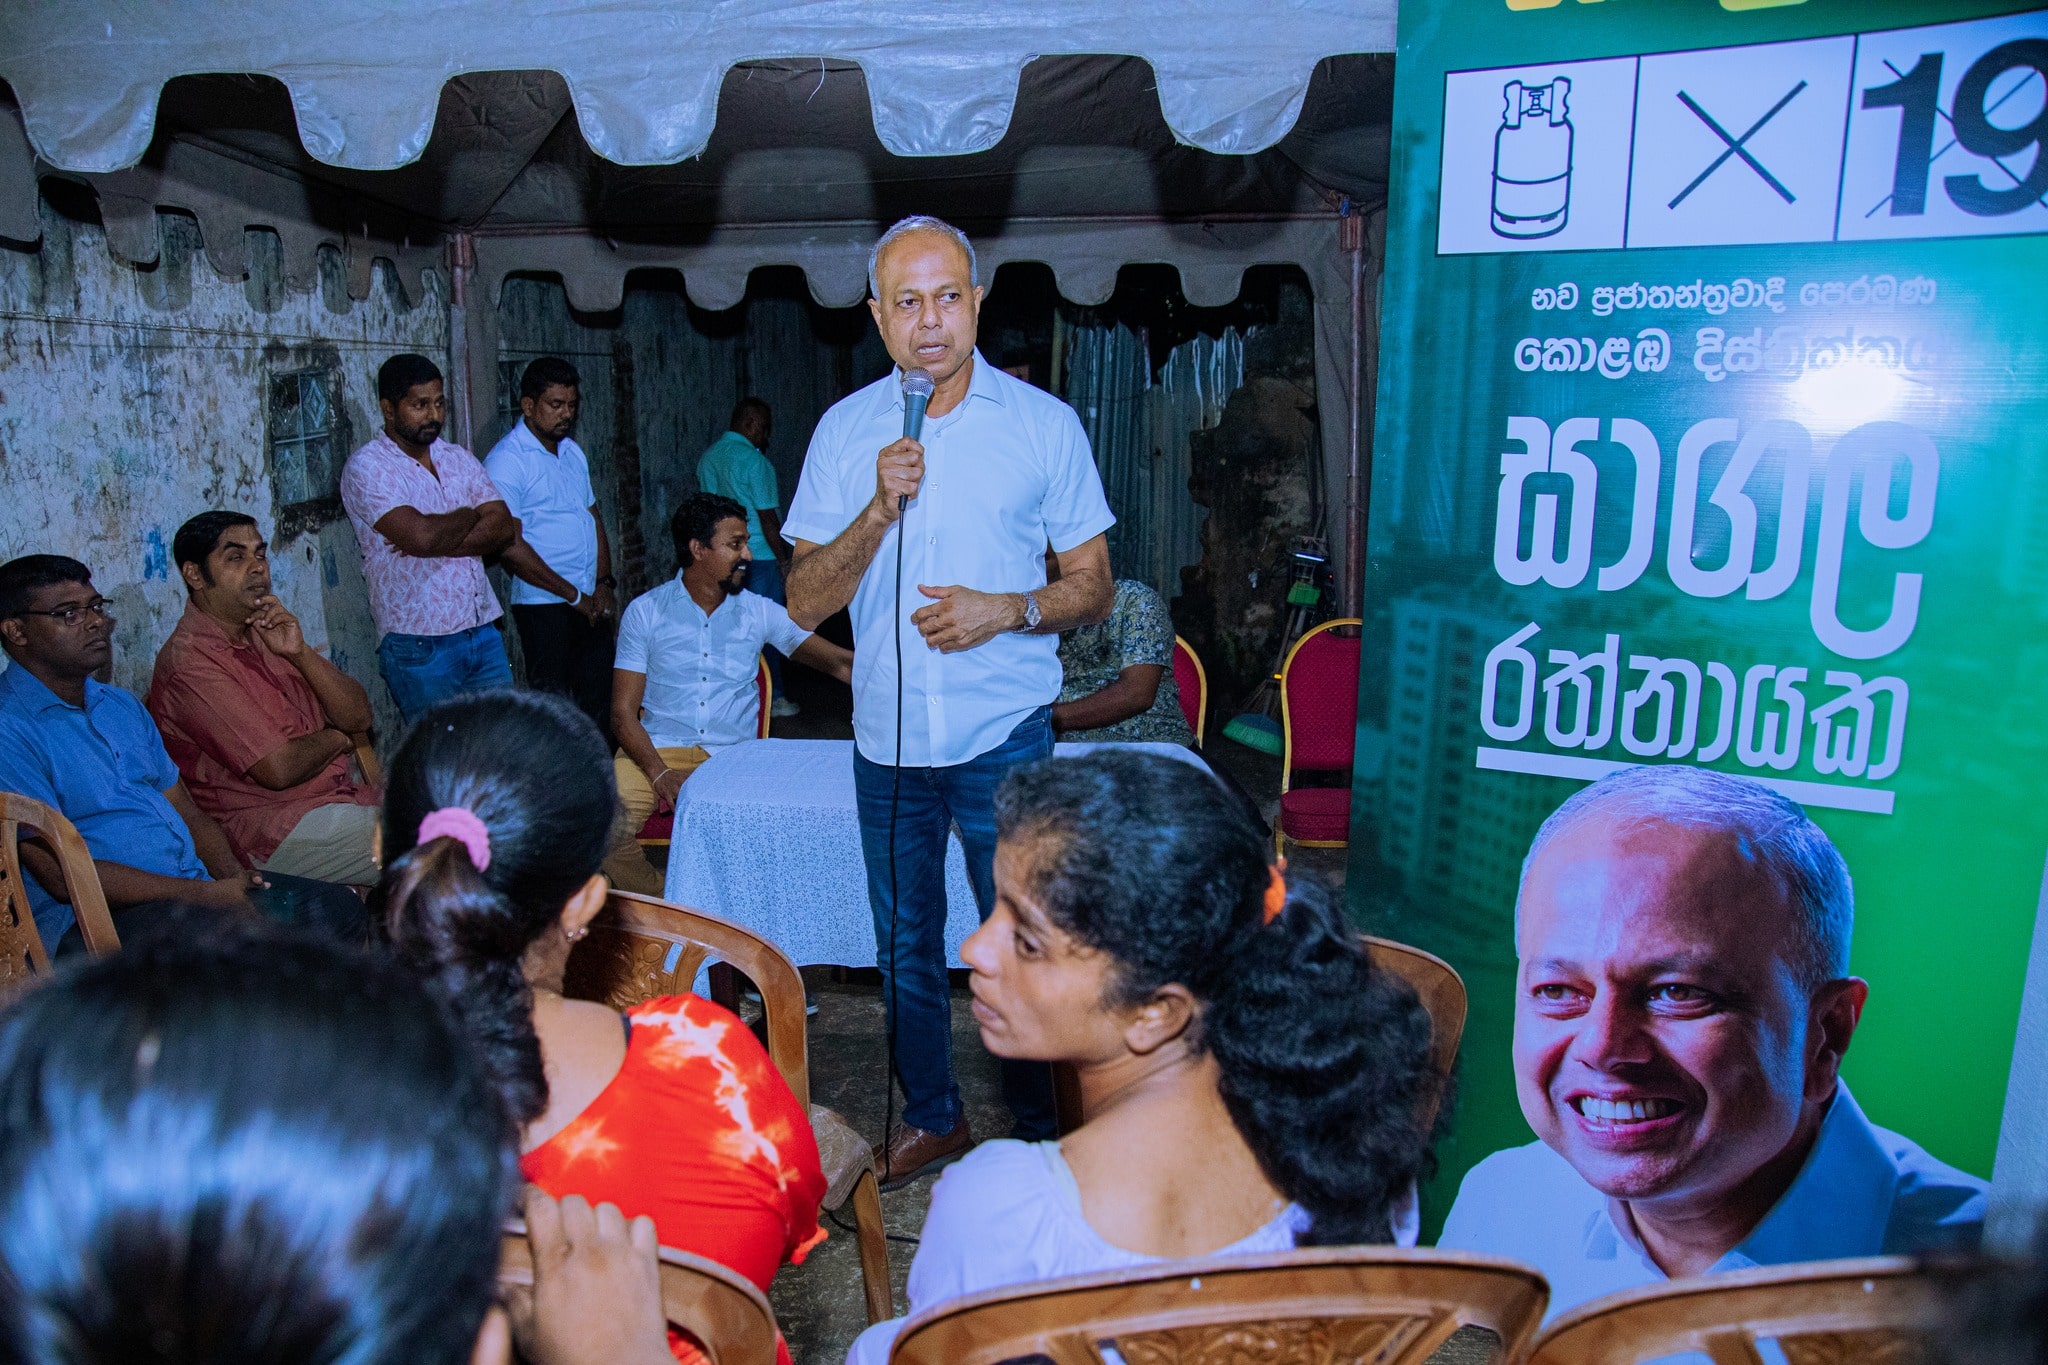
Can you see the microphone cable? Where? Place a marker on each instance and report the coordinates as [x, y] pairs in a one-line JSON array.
[[895, 897], [917, 389]]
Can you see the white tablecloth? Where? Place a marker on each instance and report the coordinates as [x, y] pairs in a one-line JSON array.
[[767, 834]]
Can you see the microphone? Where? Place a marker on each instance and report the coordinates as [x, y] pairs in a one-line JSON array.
[[917, 392]]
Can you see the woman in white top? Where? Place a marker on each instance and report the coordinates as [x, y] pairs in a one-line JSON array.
[[1251, 1080]]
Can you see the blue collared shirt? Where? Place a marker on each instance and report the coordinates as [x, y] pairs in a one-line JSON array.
[[103, 768], [1862, 1192], [1005, 472]]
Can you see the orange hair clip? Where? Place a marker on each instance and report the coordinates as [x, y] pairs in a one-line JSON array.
[[1276, 892]]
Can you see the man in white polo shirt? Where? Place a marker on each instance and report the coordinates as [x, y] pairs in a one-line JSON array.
[[562, 589], [684, 685], [1682, 1009], [1002, 470]]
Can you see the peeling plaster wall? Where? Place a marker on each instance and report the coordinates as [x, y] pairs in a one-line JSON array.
[[132, 398]]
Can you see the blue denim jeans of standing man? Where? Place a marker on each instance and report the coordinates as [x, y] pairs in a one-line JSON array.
[[422, 670], [933, 801], [764, 579]]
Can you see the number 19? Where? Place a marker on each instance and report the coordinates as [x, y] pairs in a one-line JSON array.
[[1915, 94]]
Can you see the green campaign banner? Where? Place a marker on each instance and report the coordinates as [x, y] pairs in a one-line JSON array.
[[1712, 428]]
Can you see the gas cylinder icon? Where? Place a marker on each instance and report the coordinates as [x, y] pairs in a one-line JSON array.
[[1532, 160]]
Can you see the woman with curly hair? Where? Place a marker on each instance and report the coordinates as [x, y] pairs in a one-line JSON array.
[[1251, 1081]]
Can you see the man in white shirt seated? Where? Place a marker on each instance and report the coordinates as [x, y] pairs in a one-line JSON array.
[[1682, 1009], [683, 684]]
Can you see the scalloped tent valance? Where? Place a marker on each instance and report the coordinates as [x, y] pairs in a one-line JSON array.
[[365, 78]]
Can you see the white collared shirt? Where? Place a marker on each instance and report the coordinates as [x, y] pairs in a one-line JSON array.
[[1006, 471], [1862, 1192], [700, 669], [551, 496]]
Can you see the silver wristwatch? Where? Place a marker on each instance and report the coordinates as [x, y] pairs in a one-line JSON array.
[[1032, 616]]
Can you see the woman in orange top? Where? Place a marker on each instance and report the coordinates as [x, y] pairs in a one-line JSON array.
[[497, 814]]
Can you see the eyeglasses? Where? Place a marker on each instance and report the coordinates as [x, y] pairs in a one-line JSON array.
[[69, 617]]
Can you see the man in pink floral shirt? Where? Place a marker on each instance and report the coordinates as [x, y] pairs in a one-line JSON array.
[[426, 515]]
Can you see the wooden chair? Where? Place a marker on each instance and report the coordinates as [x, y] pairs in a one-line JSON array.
[[660, 826], [1443, 994], [719, 1307], [23, 955], [1883, 1310], [1319, 730], [367, 765], [640, 947], [1329, 1304], [1193, 681]]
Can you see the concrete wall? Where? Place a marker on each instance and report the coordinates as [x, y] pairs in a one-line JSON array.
[[132, 398]]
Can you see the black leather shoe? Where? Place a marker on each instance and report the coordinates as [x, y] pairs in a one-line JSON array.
[[912, 1152]]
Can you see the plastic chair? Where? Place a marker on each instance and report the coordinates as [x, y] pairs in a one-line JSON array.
[[1374, 1304], [719, 1307], [1193, 681], [23, 955], [640, 947], [1880, 1309], [1319, 727], [661, 825], [1442, 992]]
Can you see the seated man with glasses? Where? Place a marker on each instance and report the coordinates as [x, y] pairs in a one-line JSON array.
[[92, 753]]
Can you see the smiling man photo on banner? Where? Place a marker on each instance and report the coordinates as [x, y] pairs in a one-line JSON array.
[[1001, 469], [1683, 1007]]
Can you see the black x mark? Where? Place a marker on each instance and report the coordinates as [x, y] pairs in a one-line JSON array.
[[1735, 147]]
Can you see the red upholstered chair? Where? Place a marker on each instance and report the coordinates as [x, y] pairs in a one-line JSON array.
[[1319, 722], [1193, 681], [661, 826]]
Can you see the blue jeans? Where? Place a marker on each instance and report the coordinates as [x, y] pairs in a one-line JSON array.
[[764, 579], [933, 800], [422, 670]]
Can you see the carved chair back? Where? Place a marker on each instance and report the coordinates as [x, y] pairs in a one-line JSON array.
[[1875, 1311], [1327, 1305]]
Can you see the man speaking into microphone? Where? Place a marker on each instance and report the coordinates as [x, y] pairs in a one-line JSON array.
[[970, 501]]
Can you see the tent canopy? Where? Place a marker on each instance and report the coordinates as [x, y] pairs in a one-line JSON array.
[[714, 137], [364, 78]]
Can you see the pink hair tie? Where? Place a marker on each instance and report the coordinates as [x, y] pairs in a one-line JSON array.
[[463, 826]]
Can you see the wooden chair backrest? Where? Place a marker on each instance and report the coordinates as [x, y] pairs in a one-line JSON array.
[[1377, 1304], [1443, 995], [719, 1307], [764, 689], [366, 764], [23, 954], [1193, 680], [640, 947], [1882, 1310]]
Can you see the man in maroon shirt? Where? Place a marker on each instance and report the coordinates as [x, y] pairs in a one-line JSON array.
[[259, 723]]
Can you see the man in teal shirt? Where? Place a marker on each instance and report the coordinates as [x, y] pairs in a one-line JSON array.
[[734, 467]]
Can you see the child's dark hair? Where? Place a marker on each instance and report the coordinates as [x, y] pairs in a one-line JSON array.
[[233, 1143], [533, 768], [1325, 1059]]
